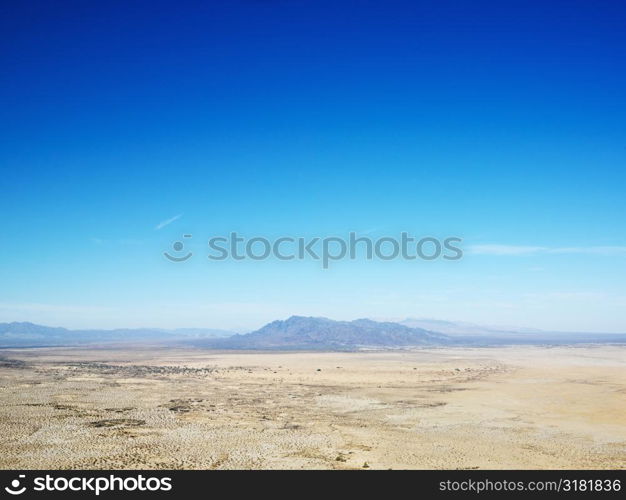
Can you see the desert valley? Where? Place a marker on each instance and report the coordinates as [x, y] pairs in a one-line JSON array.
[[449, 407]]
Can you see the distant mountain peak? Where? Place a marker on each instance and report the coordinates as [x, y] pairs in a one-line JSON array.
[[302, 332]]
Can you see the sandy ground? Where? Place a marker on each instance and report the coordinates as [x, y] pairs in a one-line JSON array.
[[527, 407]]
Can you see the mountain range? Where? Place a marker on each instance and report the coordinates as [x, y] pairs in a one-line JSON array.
[[25, 334], [464, 328], [304, 333], [299, 332]]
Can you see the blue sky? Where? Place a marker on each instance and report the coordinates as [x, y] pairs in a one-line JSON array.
[[499, 122]]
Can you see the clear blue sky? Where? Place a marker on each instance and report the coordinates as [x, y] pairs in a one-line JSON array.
[[500, 122]]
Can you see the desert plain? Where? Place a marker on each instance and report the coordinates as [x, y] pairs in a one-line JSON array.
[[151, 407]]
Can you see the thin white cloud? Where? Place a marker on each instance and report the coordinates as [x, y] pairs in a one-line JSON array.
[[167, 222], [535, 250], [607, 250]]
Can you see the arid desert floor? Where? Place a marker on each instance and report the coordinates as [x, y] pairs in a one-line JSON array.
[[515, 407]]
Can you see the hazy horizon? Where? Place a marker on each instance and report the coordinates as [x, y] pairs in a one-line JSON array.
[[243, 330]]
